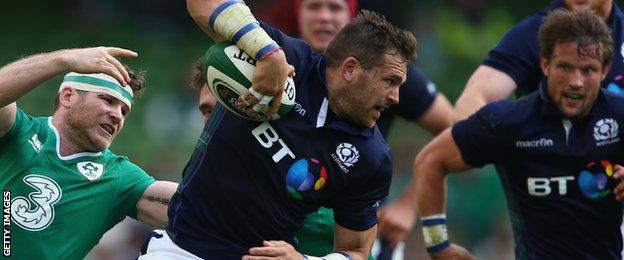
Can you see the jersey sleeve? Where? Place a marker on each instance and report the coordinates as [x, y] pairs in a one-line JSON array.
[[21, 127], [416, 95], [481, 138], [356, 208], [21, 144], [517, 54], [132, 183]]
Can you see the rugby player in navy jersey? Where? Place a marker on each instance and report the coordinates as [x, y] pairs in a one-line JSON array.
[[557, 152], [240, 190], [318, 21], [513, 65]]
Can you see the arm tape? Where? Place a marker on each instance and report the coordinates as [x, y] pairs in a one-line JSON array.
[[435, 233], [235, 22]]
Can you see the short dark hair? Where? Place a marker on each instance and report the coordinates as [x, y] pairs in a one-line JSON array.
[[582, 27], [367, 38], [137, 83], [196, 77]]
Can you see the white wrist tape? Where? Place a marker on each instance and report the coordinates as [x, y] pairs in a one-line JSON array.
[[434, 233], [332, 256], [234, 21]]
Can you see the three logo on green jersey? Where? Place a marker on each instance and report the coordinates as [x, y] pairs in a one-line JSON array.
[[36, 211]]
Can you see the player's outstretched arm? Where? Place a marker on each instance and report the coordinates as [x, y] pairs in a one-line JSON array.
[[357, 244], [232, 20], [22, 76], [485, 86], [348, 245], [396, 219], [438, 117], [201, 11], [153, 204], [432, 164], [274, 249]]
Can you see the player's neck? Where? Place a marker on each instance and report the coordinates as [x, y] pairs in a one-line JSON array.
[[66, 146]]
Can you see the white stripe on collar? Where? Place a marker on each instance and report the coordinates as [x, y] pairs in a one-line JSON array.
[[58, 146], [322, 114]]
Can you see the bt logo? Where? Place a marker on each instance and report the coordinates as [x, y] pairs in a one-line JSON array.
[[541, 186], [267, 137], [305, 174], [592, 181]]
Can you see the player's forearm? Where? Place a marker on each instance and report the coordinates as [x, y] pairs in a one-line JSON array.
[[153, 204], [467, 104], [485, 86], [408, 197], [22, 76], [438, 117], [200, 11], [428, 189], [232, 20], [356, 244]]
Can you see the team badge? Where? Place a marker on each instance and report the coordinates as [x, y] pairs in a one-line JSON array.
[[346, 156], [606, 131], [92, 171]]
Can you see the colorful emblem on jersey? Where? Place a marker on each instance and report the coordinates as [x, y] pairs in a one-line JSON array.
[[92, 171], [36, 211], [594, 179], [304, 175]]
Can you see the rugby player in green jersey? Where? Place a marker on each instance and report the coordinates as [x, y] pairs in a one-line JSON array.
[[63, 189]]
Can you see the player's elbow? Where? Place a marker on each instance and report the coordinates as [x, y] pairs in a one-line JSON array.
[[200, 10]]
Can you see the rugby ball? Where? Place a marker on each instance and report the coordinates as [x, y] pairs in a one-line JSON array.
[[228, 71]]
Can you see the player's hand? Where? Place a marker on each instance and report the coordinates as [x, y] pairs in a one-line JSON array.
[[98, 60], [396, 221], [274, 249], [453, 252], [618, 173], [268, 82]]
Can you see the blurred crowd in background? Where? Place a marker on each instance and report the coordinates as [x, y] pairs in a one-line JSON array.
[[454, 36]]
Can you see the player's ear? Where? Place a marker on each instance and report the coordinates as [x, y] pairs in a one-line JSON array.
[[67, 97], [349, 68], [544, 65]]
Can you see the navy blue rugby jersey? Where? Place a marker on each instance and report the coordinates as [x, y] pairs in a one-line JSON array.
[[416, 96], [556, 173], [251, 181], [517, 54]]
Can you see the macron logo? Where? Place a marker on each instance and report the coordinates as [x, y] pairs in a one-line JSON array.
[[535, 143]]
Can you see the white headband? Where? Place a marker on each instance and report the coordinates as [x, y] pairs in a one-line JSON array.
[[98, 83]]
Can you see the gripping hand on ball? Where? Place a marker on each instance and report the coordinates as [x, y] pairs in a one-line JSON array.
[[268, 83]]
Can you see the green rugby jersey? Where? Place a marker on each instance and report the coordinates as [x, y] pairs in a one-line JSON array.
[[61, 205]]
